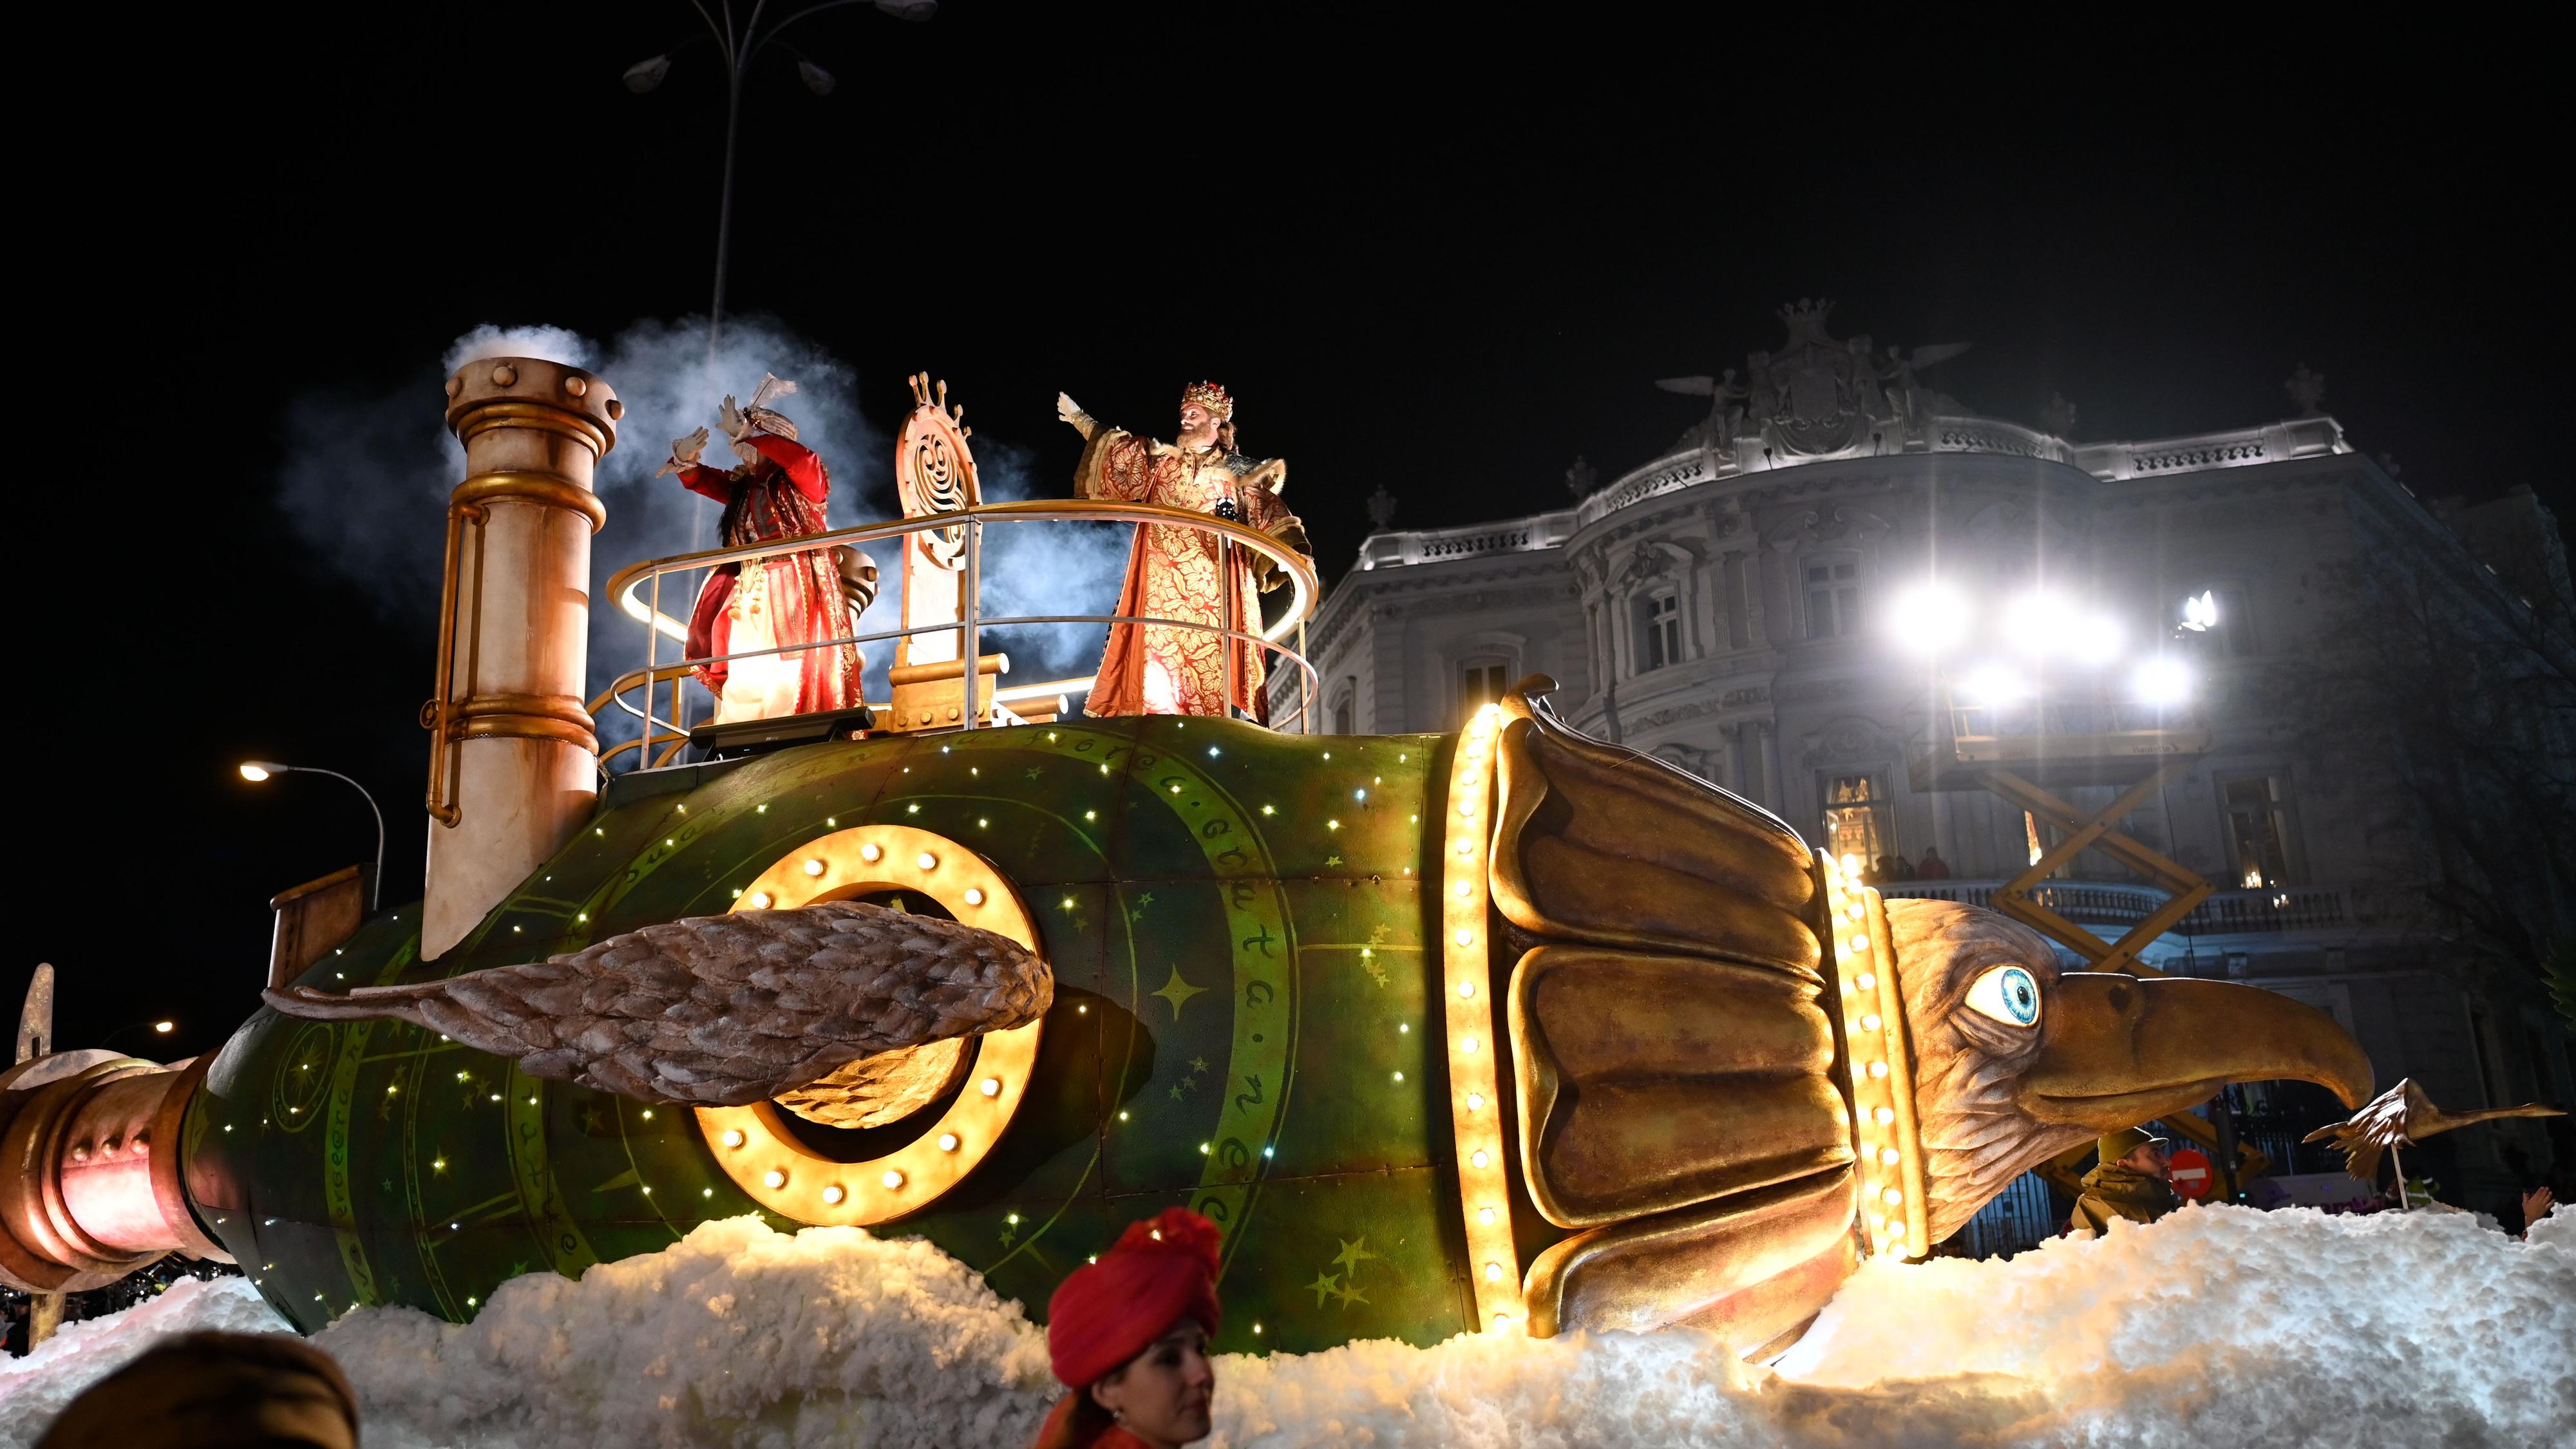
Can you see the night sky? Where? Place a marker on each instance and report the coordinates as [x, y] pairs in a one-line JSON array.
[[1444, 255]]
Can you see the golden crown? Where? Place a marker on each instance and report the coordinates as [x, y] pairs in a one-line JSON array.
[[1210, 396]]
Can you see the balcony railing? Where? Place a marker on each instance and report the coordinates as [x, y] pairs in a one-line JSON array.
[[1439, 545], [637, 588], [2120, 905]]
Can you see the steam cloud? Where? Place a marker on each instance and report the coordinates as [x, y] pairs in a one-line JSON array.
[[367, 476]]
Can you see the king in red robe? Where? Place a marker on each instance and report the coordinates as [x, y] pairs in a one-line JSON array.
[[777, 492], [1186, 574]]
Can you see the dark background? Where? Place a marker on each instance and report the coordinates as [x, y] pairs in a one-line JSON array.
[[1441, 250]]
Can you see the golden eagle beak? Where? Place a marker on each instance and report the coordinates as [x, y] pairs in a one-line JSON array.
[[2118, 1050]]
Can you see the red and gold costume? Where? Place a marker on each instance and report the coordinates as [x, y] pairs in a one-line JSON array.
[[1174, 572], [780, 599]]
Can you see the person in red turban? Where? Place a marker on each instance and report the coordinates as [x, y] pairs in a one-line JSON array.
[[1128, 1334]]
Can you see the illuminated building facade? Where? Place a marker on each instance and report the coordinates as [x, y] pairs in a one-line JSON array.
[[1752, 607]]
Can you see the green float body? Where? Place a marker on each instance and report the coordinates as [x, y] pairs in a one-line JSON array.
[[1244, 1023]]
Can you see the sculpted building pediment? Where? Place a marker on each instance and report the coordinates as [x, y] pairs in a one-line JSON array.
[[1849, 740], [1841, 524]]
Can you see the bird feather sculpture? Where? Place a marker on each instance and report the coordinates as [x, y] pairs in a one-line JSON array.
[[2401, 1117], [719, 1011]]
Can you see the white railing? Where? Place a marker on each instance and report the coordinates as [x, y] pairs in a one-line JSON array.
[[1988, 435], [1664, 475], [2241, 448], [2112, 462], [1439, 545]]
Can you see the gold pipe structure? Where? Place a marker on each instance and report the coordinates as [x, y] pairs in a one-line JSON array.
[[92, 1189], [513, 755]]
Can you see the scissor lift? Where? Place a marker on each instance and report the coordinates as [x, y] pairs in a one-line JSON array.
[[1977, 748]]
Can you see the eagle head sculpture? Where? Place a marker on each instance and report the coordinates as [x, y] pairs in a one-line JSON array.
[[2015, 1062]]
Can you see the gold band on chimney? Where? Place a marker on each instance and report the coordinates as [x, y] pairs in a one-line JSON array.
[[543, 489]]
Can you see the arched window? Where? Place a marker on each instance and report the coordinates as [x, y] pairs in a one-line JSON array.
[[1343, 714]]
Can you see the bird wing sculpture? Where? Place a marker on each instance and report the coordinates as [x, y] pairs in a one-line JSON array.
[[721, 1011], [2401, 1117]]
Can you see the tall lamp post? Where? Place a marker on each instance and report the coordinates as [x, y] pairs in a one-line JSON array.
[[740, 45], [260, 771]]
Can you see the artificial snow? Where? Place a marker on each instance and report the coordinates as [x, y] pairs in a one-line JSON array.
[[35, 1388], [2217, 1326]]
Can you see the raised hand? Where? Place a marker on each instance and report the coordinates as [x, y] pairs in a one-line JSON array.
[[731, 417], [684, 453], [2535, 1206], [1066, 409]]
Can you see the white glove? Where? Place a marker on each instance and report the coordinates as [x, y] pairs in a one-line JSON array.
[[735, 424], [685, 452]]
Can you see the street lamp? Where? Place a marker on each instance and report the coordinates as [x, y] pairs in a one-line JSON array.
[[260, 771], [740, 46], [161, 1026]]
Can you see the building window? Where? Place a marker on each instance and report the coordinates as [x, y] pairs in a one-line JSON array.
[[2234, 631], [1855, 818], [1345, 721], [1480, 683], [1659, 625], [1833, 600], [2258, 830]]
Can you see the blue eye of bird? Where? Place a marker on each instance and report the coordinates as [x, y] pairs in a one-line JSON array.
[[2009, 994]]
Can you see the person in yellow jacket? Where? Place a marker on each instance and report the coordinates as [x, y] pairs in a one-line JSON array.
[[2133, 1180]]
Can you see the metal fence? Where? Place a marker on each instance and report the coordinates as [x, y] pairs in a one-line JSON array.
[[2022, 1216]]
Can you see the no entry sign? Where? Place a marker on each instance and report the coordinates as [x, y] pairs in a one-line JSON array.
[[2191, 1175]]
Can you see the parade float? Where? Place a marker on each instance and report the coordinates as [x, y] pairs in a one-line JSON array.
[[1508, 1030]]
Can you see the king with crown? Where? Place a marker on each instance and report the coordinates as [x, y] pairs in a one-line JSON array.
[[1184, 574], [747, 609]]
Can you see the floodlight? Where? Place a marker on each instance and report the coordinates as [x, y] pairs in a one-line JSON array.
[[2091, 639], [258, 770], [2035, 624], [2200, 611], [165, 1027], [1928, 619], [1995, 685], [2162, 681]]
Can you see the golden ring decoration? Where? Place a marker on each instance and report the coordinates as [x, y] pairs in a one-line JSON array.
[[755, 1148]]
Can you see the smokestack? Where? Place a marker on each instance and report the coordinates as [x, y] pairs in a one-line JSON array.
[[514, 764]]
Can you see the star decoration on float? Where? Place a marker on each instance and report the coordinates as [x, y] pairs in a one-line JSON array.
[[1178, 992]]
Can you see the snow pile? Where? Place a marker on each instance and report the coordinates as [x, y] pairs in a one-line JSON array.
[[36, 1388], [734, 1335], [2233, 1326], [2216, 1326]]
